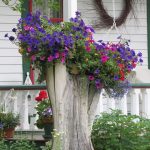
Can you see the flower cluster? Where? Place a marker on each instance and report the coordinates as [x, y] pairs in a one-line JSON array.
[[43, 109], [106, 65]]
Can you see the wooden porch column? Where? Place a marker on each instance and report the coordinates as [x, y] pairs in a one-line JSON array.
[[69, 9]]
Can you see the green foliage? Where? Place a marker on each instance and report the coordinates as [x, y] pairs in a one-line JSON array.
[[9, 120], [23, 145], [14, 5], [116, 131], [17, 5], [48, 146], [3, 145]]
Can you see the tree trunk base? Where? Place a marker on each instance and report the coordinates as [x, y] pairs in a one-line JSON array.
[[71, 100]]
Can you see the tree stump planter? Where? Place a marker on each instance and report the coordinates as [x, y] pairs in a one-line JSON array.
[[74, 103]]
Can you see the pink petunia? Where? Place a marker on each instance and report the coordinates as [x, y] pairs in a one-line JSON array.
[[27, 28], [104, 58], [88, 49], [42, 58], [50, 58], [56, 55], [91, 77], [63, 59], [33, 58], [29, 49]]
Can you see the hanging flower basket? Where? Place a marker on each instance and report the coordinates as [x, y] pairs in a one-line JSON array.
[[71, 43]]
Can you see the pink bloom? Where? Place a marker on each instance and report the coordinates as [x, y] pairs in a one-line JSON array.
[[88, 49], [104, 58], [27, 28], [31, 28], [91, 77], [56, 55], [50, 58], [42, 58], [29, 49], [66, 48], [33, 58], [63, 59], [63, 54]]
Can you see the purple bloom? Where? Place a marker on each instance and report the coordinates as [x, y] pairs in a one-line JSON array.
[[97, 71], [139, 54], [6, 35], [140, 60], [11, 38], [116, 77], [97, 81], [78, 14], [14, 30]]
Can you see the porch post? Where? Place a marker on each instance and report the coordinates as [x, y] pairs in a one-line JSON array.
[[69, 9]]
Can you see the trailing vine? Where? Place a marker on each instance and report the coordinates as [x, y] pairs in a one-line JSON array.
[[106, 20]]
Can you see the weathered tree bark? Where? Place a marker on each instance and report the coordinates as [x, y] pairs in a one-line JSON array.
[[74, 102]]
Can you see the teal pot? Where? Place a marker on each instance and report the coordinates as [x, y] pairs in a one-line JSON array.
[[48, 128]]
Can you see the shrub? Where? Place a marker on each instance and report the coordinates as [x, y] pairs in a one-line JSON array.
[[117, 131]]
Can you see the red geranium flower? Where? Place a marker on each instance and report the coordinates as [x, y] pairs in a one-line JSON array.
[[42, 95]]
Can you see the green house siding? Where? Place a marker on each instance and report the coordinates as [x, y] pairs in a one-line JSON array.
[[148, 31], [25, 61]]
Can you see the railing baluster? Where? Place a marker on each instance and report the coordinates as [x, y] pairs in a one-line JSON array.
[[123, 105], [110, 104], [24, 112], [146, 103], [135, 102]]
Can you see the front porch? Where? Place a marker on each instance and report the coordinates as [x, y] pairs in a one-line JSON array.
[[21, 99]]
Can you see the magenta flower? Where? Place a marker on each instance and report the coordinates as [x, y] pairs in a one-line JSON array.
[[50, 58], [88, 49], [63, 59], [26, 28], [91, 77], [33, 58], [29, 49], [56, 55], [104, 58], [42, 58]]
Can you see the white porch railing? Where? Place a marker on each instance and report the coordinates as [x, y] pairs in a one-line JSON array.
[[136, 102], [21, 99]]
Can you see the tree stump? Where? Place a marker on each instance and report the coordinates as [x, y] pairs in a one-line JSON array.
[[74, 103]]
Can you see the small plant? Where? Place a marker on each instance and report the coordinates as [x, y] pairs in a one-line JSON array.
[[43, 109], [10, 120], [116, 131]]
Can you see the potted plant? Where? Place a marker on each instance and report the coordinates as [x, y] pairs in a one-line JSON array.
[[44, 111], [9, 121]]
